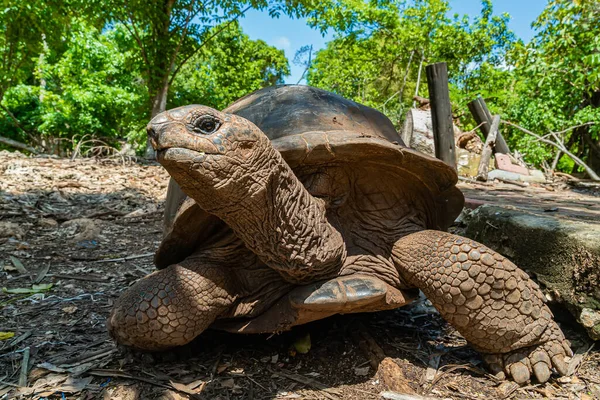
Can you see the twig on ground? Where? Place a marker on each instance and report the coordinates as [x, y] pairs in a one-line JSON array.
[[126, 258], [578, 360], [306, 381], [24, 368], [42, 274], [80, 277], [88, 357], [19, 339], [473, 181], [524, 185], [113, 373]]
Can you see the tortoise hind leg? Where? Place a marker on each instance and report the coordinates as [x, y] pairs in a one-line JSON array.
[[490, 301], [172, 306], [340, 295]]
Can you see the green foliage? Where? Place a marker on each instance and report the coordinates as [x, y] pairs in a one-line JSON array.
[[88, 89], [25, 27], [557, 79], [380, 47], [94, 88], [214, 76]]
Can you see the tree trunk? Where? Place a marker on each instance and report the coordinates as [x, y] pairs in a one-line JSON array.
[[159, 104]]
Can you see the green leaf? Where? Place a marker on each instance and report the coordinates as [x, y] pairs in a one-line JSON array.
[[6, 335], [33, 290], [18, 265]]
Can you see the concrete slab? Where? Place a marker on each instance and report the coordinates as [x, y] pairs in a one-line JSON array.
[[561, 253]]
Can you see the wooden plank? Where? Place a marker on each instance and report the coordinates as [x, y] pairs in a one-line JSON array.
[[483, 118], [441, 112], [484, 164]]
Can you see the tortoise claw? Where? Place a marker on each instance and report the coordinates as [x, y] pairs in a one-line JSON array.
[[542, 372], [536, 361], [519, 372]]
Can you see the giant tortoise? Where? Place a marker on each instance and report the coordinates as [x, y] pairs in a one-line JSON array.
[[303, 204]]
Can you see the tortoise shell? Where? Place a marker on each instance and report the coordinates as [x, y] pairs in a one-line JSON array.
[[311, 127]]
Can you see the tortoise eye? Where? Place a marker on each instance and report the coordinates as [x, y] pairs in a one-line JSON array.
[[206, 124]]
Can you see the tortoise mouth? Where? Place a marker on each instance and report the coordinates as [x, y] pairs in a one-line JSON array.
[[181, 154]]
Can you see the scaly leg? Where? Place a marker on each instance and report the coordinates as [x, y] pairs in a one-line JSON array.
[[172, 306], [491, 302]]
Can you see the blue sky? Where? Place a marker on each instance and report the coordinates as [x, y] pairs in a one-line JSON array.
[[289, 34]]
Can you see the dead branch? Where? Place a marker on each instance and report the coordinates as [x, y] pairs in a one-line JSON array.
[[490, 142], [421, 100], [559, 146], [18, 145]]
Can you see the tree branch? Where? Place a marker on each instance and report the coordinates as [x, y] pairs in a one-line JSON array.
[[182, 38], [559, 146], [138, 40], [18, 145]]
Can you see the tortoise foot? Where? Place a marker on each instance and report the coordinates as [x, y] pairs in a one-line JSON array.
[[538, 361]]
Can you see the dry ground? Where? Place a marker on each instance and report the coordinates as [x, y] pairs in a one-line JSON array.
[[62, 222]]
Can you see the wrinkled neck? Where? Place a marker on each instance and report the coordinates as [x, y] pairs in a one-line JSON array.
[[285, 226]]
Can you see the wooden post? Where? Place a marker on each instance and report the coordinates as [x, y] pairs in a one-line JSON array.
[[490, 141], [441, 112], [483, 117]]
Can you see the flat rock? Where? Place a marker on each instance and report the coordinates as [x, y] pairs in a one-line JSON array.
[[562, 254]]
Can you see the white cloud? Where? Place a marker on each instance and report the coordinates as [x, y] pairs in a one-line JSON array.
[[283, 43]]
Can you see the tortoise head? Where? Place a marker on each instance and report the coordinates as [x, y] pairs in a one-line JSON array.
[[215, 155]]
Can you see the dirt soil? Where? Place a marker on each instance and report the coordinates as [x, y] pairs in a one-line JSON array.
[[74, 234]]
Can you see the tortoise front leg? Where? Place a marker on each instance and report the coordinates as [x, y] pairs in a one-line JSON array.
[[491, 302], [172, 306]]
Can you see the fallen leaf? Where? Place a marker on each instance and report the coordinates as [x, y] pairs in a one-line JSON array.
[[18, 265], [9, 268], [6, 335], [182, 387], [221, 368], [302, 344], [70, 309], [34, 289], [228, 383], [362, 371], [42, 286]]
